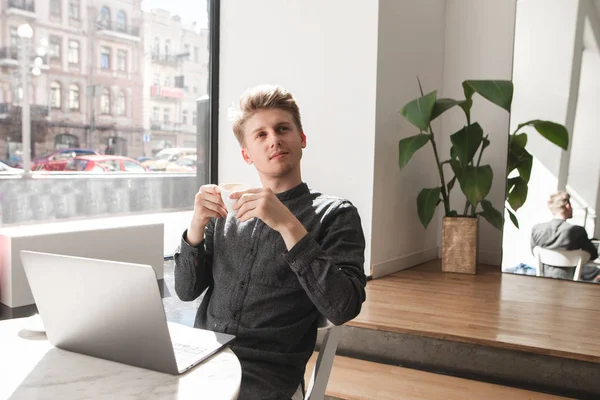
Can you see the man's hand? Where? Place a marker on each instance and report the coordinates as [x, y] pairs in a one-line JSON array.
[[263, 204], [207, 205]]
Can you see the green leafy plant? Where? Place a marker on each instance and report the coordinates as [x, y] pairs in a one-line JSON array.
[[468, 145], [520, 161]]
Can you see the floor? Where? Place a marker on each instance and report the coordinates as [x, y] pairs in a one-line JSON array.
[[537, 315], [175, 309]]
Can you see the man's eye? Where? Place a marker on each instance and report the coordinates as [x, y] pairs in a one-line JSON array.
[[283, 128], [262, 134]]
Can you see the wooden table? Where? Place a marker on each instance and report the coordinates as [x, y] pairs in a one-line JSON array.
[[31, 368]]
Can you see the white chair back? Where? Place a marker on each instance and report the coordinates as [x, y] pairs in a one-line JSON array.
[[561, 258], [322, 370]]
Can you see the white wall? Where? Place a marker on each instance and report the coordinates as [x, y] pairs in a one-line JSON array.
[[479, 45], [351, 75], [411, 44], [542, 79], [584, 166], [325, 53]]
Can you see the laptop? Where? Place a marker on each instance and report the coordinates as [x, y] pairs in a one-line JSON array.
[[113, 310]]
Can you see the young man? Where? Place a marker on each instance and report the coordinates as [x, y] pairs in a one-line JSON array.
[[561, 235], [287, 256]]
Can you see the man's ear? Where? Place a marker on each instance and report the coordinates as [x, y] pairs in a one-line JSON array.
[[246, 156], [303, 138]]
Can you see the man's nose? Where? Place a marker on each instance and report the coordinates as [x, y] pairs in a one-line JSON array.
[[274, 139]]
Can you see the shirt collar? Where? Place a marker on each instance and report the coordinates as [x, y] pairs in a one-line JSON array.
[[294, 192]]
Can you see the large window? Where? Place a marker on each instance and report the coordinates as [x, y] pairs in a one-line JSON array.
[[105, 58], [105, 101], [54, 47], [74, 7], [115, 82], [74, 97], [73, 52], [121, 23], [121, 60], [120, 105], [55, 95], [55, 9]]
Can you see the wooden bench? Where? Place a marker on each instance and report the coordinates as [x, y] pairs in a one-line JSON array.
[[353, 379]]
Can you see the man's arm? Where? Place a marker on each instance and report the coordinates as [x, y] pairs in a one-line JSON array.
[[193, 265], [332, 272], [580, 240]]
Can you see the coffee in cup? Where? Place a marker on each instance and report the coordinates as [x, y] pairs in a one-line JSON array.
[[226, 190]]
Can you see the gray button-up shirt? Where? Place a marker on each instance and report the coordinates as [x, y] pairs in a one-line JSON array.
[[271, 298]]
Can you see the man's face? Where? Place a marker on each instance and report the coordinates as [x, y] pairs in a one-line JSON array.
[[568, 210], [273, 143]]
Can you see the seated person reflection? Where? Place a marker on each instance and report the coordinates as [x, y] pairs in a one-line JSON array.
[[558, 234], [287, 255]]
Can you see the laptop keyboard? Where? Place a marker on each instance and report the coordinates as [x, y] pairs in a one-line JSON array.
[[186, 354]]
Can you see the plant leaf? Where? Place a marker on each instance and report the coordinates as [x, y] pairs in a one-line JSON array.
[[476, 182], [456, 168], [493, 216], [453, 154], [486, 142], [517, 193], [469, 91], [513, 218], [466, 142], [451, 183], [427, 201], [418, 112], [442, 105], [524, 166], [498, 92], [555, 133], [518, 142], [407, 147]]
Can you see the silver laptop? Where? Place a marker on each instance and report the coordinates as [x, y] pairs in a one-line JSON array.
[[113, 310]]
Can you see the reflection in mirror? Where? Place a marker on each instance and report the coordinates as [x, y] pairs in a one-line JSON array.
[[556, 75]]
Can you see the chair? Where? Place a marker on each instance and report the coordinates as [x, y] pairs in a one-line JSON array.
[[561, 258], [324, 363]]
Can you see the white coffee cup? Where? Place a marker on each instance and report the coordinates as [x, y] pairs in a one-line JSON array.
[[226, 190]]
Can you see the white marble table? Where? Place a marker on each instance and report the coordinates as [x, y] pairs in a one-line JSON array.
[[31, 368]]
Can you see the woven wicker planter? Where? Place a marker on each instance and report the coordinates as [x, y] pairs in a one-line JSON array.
[[459, 244]]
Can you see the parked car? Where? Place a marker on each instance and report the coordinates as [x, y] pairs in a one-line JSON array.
[[58, 160], [6, 170], [104, 163], [184, 164], [167, 156]]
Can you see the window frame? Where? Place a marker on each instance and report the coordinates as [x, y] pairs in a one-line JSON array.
[[74, 88], [70, 53]]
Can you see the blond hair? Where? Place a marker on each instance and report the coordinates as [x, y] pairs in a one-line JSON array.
[[262, 97], [557, 203]]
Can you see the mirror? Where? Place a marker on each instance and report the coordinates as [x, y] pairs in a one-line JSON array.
[[556, 75]]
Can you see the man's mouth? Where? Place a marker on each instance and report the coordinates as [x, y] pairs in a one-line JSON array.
[[278, 154]]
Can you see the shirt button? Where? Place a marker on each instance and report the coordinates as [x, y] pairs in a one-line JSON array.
[[251, 250], [293, 262], [235, 314], [242, 284]]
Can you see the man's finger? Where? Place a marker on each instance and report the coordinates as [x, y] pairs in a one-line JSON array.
[[210, 189], [244, 199], [215, 198], [248, 215], [237, 195], [246, 207], [214, 214], [214, 207]]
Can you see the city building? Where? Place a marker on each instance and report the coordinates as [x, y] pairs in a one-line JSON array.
[[90, 79], [175, 76]]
